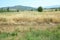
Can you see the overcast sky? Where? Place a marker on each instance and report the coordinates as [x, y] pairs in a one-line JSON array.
[[32, 3]]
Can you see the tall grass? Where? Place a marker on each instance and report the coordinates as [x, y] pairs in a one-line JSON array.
[[43, 35], [27, 17], [33, 35], [53, 17]]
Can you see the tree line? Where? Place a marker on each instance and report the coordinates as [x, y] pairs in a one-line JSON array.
[[39, 9], [7, 10]]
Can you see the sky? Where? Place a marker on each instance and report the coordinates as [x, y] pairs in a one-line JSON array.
[[31, 3]]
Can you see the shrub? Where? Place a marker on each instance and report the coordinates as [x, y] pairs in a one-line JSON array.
[[8, 9], [40, 9], [56, 10], [17, 10]]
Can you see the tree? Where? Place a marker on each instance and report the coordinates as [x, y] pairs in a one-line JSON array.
[[8, 9], [56, 10], [40, 9], [17, 10], [31, 9]]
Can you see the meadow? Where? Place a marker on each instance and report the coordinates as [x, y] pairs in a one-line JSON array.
[[30, 25]]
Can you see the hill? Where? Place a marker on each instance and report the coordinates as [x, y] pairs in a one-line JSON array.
[[19, 7], [53, 6]]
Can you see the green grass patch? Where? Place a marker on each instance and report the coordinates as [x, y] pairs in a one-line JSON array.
[[42, 34], [6, 35]]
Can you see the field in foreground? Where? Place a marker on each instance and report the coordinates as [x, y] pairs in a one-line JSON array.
[[30, 25]]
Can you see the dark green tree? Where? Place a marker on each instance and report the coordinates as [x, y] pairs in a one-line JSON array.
[[8, 9], [17, 10], [40, 9], [56, 10]]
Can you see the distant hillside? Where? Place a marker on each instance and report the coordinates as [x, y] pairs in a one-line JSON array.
[[54, 6], [19, 7]]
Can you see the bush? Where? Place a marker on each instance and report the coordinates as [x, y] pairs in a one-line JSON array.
[[17, 10], [40, 9], [8, 9], [56, 10]]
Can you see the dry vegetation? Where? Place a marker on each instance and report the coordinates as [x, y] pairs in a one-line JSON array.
[[28, 16], [24, 22]]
